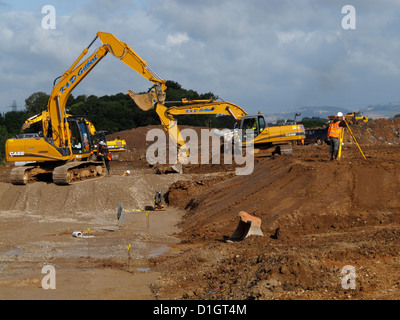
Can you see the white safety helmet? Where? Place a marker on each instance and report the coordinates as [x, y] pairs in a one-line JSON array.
[[339, 114]]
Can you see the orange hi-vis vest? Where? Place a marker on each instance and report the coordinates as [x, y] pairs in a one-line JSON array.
[[334, 129]]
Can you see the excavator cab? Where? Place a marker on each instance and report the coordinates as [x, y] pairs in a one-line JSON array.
[[79, 136]]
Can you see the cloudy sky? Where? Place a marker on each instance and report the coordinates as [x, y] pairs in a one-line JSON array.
[[267, 55]]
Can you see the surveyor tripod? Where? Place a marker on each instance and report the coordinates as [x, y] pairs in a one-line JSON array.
[[341, 142]]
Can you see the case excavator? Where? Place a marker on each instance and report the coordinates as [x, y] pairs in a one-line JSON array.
[[63, 148]]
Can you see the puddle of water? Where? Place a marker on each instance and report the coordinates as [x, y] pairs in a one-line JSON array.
[[13, 252], [143, 269], [158, 251]]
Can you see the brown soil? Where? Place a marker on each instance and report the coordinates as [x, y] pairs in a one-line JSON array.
[[317, 217]]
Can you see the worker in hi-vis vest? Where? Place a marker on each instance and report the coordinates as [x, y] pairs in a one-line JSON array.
[[334, 130]]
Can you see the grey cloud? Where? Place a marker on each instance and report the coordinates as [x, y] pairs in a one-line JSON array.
[[259, 54]]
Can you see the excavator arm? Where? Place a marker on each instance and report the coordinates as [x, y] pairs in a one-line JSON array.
[[193, 107], [44, 117], [77, 72], [36, 118]]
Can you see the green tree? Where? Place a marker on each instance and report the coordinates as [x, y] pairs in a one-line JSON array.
[[13, 121], [36, 103], [4, 135], [176, 93], [313, 122]]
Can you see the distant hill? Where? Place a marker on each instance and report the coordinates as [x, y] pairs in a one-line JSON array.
[[306, 112], [373, 111], [382, 111]]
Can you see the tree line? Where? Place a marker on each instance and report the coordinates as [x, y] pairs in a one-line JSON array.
[[112, 113]]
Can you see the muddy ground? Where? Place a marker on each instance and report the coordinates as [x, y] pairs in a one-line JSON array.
[[319, 218]]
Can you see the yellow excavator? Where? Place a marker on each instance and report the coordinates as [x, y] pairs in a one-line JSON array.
[[267, 139], [355, 118], [63, 149], [114, 146], [352, 117]]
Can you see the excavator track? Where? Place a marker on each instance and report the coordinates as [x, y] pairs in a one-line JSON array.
[[73, 172], [20, 175], [282, 149], [65, 174], [285, 149]]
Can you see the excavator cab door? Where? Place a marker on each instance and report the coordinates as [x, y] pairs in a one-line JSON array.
[[255, 123], [79, 136]]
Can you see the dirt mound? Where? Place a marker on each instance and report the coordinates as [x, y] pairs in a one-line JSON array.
[[102, 195], [312, 193], [376, 132], [317, 216], [137, 147], [182, 190]]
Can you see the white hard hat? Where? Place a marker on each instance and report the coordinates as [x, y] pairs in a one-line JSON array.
[[339, 114]]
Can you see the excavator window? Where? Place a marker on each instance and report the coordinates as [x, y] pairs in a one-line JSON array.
[[79, 137], [255, 123], [85, 137], [251, 123], [76, 141], [261, 122]]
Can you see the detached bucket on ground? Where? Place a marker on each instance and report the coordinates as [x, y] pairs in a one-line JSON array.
[[248, 225]]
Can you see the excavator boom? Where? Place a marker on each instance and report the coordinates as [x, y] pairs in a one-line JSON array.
[[76, 73]]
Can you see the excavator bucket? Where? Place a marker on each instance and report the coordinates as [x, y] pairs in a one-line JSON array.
[[144, 101], [248, 225]]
